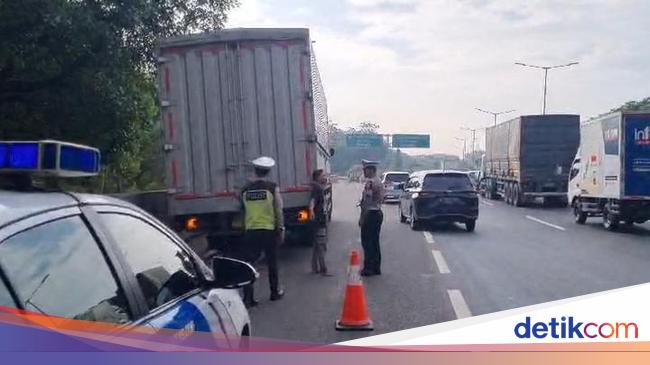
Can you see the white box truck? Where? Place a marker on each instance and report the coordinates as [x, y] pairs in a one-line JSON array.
[[610, 176], [229, 97]]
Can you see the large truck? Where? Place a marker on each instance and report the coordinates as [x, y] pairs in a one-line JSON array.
[[229, 97], [610, 176], [529, 157]]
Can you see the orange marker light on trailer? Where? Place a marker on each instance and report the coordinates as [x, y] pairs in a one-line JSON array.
[[303, 215], [192, 224]]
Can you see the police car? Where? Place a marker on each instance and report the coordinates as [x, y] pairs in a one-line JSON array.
[[97, 258]]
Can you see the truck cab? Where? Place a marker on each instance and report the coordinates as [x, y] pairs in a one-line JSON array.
[[574, 179]]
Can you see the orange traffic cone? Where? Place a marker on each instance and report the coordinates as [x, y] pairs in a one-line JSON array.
[[354, 315]]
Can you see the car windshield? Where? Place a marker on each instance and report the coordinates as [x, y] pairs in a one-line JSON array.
[[396, 178], [447, 182]]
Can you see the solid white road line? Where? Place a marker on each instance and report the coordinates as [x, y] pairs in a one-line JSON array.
[[440, 262], [428, 237], [459, 304], [545, 223]]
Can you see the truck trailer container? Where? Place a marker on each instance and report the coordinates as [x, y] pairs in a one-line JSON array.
[[529, 157], [610, 177], [229, 97]]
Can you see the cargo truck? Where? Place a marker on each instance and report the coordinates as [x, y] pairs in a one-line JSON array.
[[529, 157], [610, 176], [229, 97]]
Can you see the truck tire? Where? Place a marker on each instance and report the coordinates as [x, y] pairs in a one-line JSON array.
[[491, 190], [610, 221], [509, 196], [579, 216], [506, 193], [517, 198]]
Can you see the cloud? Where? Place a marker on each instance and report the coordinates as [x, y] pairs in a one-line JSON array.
[[423, 65]]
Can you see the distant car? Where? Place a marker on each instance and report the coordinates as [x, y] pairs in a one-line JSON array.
[[439, 196], [393, 182]]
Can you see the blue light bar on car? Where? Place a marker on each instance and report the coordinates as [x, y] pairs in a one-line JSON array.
[[51, 158]]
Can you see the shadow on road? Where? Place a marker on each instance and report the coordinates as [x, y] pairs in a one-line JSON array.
[[636, 230]]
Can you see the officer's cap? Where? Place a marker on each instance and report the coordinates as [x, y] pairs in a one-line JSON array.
[[368, 163], [263, 162]]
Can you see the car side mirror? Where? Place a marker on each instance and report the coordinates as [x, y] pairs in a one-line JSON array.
[[231, 274], [400, 186], [332, 151]]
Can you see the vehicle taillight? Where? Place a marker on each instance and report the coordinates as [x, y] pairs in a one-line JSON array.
[[192, 224], [303, 215]]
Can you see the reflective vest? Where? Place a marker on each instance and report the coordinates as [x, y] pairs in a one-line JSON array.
[[259, 205]]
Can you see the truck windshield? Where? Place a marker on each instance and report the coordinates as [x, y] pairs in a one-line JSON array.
[[447, 182]]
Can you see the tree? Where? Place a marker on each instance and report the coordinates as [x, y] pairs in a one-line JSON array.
[[83, 71], [643, 104]]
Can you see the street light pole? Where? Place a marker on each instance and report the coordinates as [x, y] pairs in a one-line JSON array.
[[464, 146], [495, 114], [545, 68]]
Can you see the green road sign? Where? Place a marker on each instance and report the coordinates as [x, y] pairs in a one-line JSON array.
[[411, 141], [364, 140]]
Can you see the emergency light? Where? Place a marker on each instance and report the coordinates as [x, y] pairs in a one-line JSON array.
[[48, 158]]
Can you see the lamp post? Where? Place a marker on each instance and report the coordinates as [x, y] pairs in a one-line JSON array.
[[473, 144], [464, 145], [495, 114], [545, 68]]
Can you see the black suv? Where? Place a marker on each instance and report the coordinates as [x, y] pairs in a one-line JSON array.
[[439, 196]]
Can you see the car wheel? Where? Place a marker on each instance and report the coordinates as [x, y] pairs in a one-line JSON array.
[[578, 214], [470, 225], [413, 222], [402, 218]]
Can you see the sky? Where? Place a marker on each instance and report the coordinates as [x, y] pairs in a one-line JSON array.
[[422, 66]]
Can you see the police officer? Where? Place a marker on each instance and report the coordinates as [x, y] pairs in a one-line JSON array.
[[263, 223], [371, 219]]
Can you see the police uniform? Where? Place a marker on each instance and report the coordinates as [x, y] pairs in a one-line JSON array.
[[370, 222], [263, 223]]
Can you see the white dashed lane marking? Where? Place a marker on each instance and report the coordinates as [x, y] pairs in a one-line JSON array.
[[485, 202], [428, 237], [440, 262], [545, 223], [458, 303]]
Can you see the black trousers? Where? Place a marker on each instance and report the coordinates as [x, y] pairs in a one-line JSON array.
[[370, 229], [255, 242]]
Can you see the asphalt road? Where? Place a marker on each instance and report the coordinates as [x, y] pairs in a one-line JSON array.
[[516, 257]]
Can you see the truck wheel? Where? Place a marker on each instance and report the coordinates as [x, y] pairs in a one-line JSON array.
[[578, 214], [509, 194], [470, 225], [517, 197], [506, 193], [610, 221], [491, 190]]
